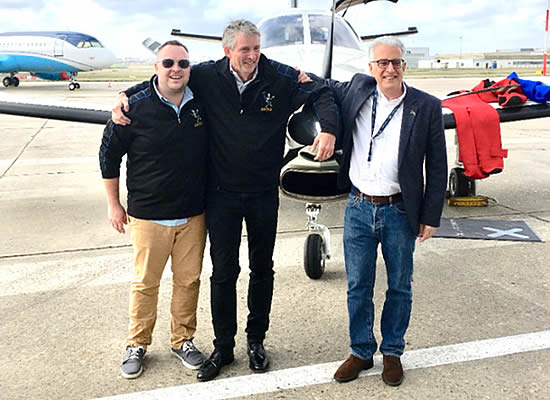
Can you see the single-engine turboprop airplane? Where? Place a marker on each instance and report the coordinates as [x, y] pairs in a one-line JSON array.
[[297, 38], [56, 56]]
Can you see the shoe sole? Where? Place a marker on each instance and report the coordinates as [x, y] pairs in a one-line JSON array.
[[396, 383], [258, 371], [185, 364], [351, 378], [224, 363], [132, 376]]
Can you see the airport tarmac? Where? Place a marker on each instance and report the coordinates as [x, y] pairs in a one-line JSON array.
[[480, 326]]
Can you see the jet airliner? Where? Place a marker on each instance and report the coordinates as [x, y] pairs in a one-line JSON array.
[[56, 55]]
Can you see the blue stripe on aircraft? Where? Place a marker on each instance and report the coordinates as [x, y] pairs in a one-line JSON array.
[[72, 37], [14, 63]]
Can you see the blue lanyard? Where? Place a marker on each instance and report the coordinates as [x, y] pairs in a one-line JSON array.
[[373, 120]]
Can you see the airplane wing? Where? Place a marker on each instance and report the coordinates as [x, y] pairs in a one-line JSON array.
[[59, 110], [99, 114]]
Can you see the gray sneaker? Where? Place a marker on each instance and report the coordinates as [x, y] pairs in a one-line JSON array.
[[189, 355], [131, 366]]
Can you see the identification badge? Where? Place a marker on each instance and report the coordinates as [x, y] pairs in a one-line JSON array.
[[368, 172]]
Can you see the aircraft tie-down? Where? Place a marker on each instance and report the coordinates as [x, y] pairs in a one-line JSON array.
[[325, 44]]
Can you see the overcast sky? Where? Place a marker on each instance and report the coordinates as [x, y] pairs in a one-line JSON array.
[[444, 26]]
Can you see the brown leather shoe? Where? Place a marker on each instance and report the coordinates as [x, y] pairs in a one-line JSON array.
[[350, 369], [393, 371]]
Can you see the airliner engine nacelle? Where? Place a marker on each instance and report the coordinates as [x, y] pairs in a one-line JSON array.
[[303, 178], [53, 76]]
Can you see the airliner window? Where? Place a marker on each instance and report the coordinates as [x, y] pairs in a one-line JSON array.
[[282, 31], [319, 27], [95, 43]]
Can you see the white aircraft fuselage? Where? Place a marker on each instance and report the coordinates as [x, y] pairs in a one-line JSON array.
[[56, 55], [298, 38]]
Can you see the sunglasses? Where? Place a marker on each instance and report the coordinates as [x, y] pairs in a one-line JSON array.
[[169, 63], [384, 62]]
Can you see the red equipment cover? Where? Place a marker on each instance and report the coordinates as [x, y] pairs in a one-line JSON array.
[[478, 127]]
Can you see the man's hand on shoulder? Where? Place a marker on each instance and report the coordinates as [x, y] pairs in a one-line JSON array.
[[324, 144], [117, 116], [302, 76]]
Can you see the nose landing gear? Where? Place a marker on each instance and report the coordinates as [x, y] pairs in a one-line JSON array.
[[74, 85], [317, 245]]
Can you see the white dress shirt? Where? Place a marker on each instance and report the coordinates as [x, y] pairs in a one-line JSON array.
[[379, 176]]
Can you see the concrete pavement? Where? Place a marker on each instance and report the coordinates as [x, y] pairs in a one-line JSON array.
[[64, 280]]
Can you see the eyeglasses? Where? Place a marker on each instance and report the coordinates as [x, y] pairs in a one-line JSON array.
[[168, 63], [384, 62]]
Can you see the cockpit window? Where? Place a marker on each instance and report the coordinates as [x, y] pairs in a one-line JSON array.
[[319, 27], [80, 40], [282, 31]]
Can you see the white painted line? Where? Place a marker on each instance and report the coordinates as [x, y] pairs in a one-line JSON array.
[[322, 373]]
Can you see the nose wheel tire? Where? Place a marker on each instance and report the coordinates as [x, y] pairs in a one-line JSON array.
[[314, 258], [6, 81], [72, 86]]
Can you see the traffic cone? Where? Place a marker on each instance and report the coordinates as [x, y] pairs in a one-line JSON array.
[[109, 85]]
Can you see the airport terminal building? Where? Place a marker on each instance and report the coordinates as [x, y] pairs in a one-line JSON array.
[[515, 59]]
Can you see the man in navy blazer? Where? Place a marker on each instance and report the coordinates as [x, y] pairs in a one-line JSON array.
[[392, 133]]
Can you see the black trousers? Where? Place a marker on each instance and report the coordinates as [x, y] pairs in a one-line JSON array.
[[225, 212]]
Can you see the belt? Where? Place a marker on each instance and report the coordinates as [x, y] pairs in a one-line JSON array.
[[394, 198]]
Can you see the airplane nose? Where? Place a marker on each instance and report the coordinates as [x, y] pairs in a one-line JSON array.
[[106, 60]]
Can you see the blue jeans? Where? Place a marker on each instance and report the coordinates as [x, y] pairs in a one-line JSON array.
[[366, 225]]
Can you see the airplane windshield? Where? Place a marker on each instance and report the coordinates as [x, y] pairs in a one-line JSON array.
[[319, 27], [282, 31], [88, 43]]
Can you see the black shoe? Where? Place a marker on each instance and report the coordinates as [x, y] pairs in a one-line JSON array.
[[213, 365], [258, 358]]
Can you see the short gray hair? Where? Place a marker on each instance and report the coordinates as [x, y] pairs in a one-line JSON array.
[[238, 26], [386, 41]]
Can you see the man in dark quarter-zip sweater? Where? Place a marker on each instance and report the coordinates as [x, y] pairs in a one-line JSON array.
[[166, 148], [249, 99]]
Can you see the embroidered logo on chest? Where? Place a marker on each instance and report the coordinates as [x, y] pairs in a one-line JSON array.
[[198, 119], [268, 99]]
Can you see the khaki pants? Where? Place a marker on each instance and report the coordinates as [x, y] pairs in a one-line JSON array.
[[153, 244]]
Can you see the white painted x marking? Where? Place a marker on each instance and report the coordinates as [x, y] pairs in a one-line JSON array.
[[509, 232]]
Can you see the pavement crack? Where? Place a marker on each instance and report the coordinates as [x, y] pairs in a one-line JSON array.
[[23, 149], [47, 253]]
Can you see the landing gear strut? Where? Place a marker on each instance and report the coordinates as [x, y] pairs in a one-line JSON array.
[[317, 245]]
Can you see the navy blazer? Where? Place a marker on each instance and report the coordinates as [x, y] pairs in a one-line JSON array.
[[422, 141]]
